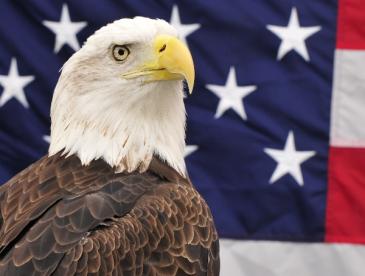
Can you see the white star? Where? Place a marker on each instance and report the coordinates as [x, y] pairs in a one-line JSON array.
[[183, 29], [65, 30], [47, 138], [14, 85], [293, 36], [189, 149], [231, 95], [289, 160]]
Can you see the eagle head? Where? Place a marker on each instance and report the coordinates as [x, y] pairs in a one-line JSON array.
[[120, 97]]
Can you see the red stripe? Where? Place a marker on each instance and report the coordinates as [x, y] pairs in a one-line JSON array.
[[345, 212], [351, 24]]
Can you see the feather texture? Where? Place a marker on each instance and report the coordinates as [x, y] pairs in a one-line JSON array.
[[61, 218]]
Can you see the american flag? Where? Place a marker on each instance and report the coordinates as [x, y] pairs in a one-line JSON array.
[[275, 135]]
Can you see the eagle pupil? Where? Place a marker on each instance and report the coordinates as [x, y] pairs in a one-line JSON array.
[[121, 52]]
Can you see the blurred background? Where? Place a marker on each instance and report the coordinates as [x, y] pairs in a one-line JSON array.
[[274, 129]]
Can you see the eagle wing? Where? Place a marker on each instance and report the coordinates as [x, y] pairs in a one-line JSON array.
[[61, 218]]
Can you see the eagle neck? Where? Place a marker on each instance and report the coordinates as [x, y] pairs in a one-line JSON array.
[[125, 132]]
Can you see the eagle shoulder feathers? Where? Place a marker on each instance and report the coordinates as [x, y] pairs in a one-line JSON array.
[[61, 218]]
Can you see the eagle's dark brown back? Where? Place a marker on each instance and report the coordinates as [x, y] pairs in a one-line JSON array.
[[61, 218]]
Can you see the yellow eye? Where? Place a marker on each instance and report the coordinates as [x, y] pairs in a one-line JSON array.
[[120, 53]]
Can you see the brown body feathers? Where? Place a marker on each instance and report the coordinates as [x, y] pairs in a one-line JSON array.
[[61, 218]]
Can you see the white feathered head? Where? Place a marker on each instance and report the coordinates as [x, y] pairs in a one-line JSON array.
[[120, 97]]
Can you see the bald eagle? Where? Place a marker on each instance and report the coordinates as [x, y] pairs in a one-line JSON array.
[[113, 197]]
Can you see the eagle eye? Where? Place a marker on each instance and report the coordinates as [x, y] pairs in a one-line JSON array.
[[120, 53]]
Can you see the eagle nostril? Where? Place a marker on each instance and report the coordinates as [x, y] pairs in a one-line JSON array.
[[162, 48]]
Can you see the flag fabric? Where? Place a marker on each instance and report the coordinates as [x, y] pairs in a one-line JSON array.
[[275, 141]]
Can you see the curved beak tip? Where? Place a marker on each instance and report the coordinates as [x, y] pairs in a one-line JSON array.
[[176, 58], [190, 86]]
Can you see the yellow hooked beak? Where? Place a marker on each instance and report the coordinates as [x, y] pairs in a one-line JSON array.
[[172, 61]]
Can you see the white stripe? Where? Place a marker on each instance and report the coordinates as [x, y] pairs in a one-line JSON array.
[[348, 99], [266, 258]]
